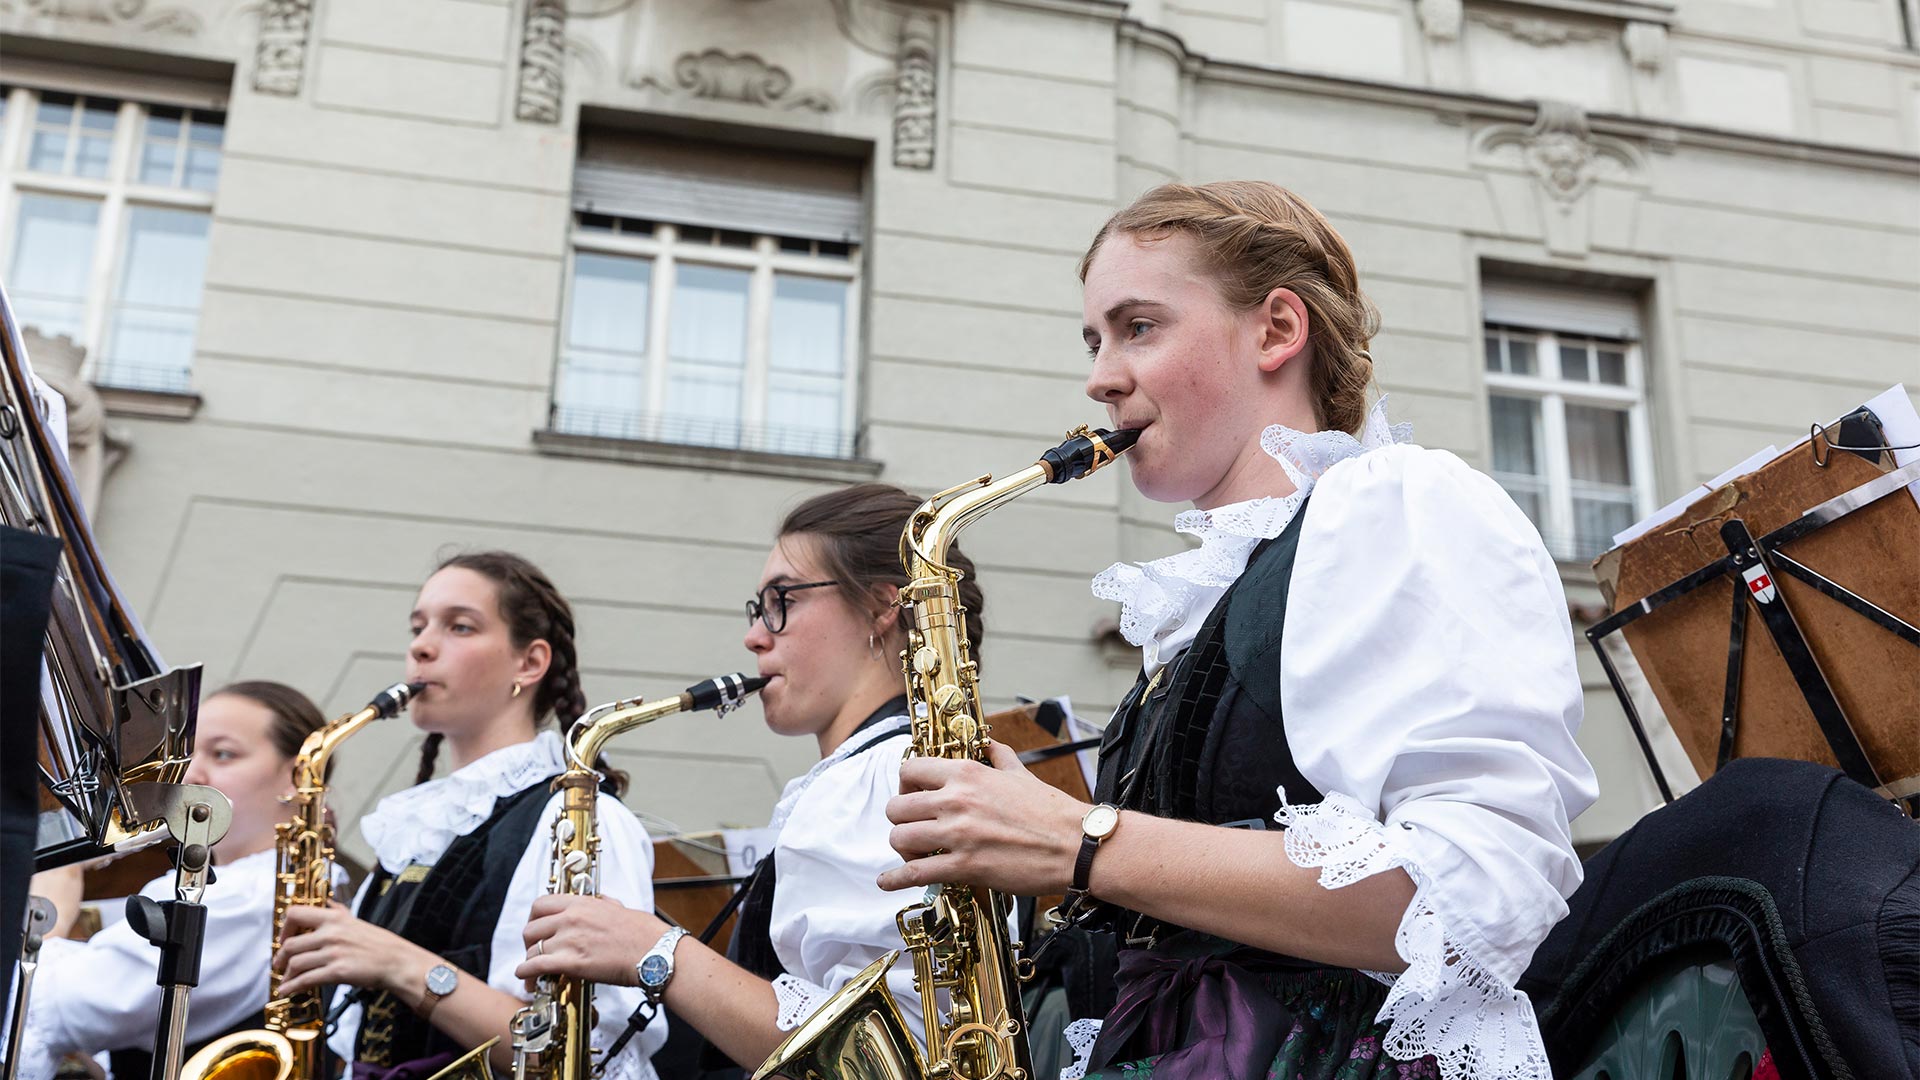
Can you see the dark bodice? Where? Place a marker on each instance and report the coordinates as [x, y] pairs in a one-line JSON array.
[[1204, 739], [451, 909]]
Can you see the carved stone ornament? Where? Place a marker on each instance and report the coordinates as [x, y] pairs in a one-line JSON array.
[[717, 75], [1559, 150], [126, 12], [1645, 44], [915, 97], [543, 62], [1440, 19], [282, 54], [1565, 160], [1535, 31]]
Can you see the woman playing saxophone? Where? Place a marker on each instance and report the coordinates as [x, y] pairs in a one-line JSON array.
[[426, 969], [826, 629], [100, 994]]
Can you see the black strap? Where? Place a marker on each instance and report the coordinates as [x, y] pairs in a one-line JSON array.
[[1057, 750]]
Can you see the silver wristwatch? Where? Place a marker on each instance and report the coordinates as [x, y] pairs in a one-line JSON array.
[[655, 969]]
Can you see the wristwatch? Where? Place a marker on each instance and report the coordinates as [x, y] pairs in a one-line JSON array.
[[656, 968], [1095, 827], [441, 980]]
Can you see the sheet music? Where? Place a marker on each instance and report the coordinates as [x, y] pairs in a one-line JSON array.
[[1898, 419]]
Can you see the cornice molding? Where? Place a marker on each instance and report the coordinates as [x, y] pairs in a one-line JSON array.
[[1458, 106]]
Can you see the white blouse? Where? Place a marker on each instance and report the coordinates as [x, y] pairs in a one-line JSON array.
[[72, 1011], [1429, 690], [418, 824], [830, 918]]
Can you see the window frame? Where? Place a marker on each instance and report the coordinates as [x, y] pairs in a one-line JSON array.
[[118, 194], [665, 248], [1554, 393]]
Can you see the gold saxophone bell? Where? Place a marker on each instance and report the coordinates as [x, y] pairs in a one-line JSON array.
[[250, 1055], [857, 1035]]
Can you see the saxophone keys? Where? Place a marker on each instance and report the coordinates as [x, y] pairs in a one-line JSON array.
[[926, 661]]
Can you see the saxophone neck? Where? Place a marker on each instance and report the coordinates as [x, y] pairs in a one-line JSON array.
[[722, 694], [933, 527]]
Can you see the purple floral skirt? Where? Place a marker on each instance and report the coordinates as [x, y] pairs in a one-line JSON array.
[[1203, 1016]]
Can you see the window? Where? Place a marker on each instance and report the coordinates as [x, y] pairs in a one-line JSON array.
[[104, 207], [708, 304], [1568, 411]]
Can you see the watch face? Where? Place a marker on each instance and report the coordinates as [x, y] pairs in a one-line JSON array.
[[654, 971], [1100, 821], [441, 980]]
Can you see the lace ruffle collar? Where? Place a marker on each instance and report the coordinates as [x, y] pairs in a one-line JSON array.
[[416, 825], [1156, 597]]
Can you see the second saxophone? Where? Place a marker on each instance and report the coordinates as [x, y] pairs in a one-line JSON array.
[[552, 1034], [958, 934]]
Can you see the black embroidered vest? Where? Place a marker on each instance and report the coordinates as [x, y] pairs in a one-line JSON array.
[[1204, 740], [451, 909]]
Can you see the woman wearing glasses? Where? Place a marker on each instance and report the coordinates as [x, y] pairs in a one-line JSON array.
[[828, 635]]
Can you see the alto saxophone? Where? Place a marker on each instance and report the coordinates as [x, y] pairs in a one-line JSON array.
[[552, 1034], [289, 1047], [958, 933]]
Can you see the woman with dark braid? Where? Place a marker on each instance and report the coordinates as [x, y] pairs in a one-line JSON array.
[[825, 629], [460, 859]]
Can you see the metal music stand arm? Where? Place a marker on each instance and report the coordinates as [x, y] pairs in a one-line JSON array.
[[198, 817]]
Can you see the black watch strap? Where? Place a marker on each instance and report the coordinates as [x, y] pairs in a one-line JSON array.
[[1083, 865]]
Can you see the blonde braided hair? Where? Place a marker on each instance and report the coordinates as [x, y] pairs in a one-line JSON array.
[[1255, 237]]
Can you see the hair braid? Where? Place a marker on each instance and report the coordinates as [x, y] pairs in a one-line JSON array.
[[429, 750]]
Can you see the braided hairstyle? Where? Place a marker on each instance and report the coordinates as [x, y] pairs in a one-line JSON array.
[[857, 530], [533, 610], [1255, 237]]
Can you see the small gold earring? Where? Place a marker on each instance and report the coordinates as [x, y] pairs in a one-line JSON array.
[[516, 689], [873, 648]]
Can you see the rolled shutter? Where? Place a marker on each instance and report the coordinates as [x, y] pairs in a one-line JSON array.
[[1539, 305], [687, 182]]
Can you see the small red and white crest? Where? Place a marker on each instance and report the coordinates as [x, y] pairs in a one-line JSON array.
[[1760, 584]]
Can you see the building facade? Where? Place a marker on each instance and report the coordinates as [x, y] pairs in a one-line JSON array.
[[614, 283]]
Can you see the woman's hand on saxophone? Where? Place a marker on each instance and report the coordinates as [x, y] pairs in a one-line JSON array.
[[1001, 827], [596, 938], [323, 946]]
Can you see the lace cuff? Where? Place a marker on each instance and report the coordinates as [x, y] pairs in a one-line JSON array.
[[1446, 1003], [797, 999], [1081, 1035]]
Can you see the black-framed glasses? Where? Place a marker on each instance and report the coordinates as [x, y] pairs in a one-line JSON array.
[[769, 605]]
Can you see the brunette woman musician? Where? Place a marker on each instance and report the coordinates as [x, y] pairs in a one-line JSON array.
[[826, 629], [100, 994], [427, 965]]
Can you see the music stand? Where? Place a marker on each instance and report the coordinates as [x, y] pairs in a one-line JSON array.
[[1751, 571]]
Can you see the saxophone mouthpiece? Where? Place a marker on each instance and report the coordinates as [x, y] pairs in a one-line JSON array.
[[723, 693], [388, 703], [1085, 452]]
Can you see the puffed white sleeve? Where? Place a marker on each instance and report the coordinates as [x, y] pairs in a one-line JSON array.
[[1429, 691], [100, 994], [626, 875], [830, 917]]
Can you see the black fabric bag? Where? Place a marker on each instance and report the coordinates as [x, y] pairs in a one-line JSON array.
[[1808, 882]]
